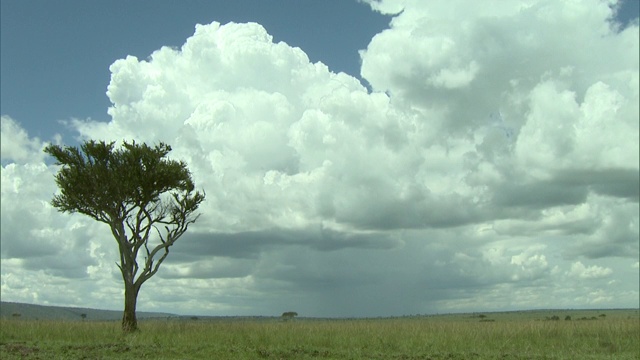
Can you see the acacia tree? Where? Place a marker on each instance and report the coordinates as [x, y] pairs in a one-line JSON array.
[[148, 202], [289, 315]]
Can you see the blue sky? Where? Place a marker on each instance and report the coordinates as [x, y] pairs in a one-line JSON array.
[[373, 158], [57, 54]]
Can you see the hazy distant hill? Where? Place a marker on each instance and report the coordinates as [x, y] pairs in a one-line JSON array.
[[32, 312]]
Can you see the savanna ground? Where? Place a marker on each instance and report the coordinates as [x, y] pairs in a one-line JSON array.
[[590, 334]]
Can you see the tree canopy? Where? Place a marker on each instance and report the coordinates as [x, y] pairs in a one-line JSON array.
[[138, 192]]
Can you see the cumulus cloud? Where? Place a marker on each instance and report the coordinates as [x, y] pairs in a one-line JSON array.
[[494, 155], [591, 272], [16, 144], [541, 114]]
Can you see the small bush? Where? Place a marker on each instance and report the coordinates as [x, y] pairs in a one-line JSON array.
[[289, 315]]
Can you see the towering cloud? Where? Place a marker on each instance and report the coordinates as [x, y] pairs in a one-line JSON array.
[[495, 159]]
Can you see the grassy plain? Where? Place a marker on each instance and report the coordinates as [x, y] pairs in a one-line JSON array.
[[514, 335]]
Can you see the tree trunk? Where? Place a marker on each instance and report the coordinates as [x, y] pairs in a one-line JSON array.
[[129, 321]]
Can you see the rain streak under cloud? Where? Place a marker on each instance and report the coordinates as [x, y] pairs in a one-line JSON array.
[[492, 165]]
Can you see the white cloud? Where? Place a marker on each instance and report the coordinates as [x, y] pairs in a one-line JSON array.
[[454, 78], [591, 272], [15, 143], [386, 7], [495, 152]]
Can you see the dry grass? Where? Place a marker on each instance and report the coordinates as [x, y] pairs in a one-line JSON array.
[[509, 336]]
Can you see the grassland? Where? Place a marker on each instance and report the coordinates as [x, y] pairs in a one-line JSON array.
[[607, 334]]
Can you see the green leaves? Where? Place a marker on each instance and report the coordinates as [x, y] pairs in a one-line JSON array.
[[106, 183], [123, 187]]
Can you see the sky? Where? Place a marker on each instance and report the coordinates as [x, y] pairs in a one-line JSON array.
[[373, 158]]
